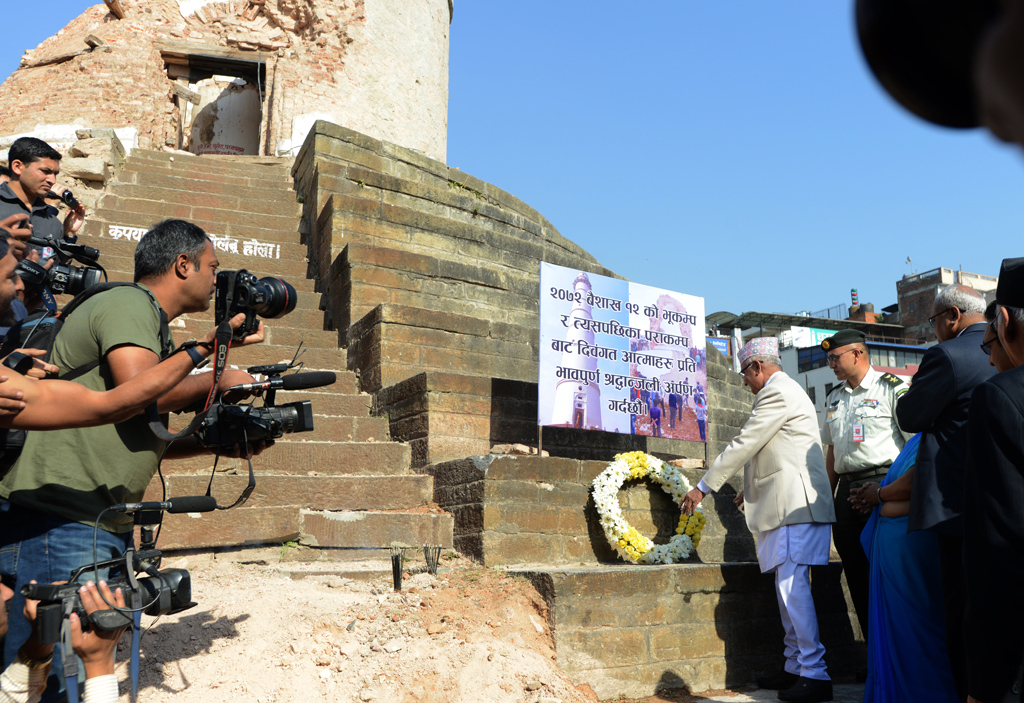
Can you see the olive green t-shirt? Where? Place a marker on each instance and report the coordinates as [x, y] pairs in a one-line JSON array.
[[75, 474]]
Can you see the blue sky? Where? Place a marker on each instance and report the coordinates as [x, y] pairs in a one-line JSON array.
[[736, 151]]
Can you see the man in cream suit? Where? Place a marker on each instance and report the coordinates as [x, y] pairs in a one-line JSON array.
[[788, 504]]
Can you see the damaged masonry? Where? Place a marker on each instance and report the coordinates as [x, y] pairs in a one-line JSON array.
[[237, 76]]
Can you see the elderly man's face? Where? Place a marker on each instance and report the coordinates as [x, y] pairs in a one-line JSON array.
[[999, 74]]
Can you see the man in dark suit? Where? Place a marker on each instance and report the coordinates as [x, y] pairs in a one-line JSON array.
[[994, 504], [936, 406]]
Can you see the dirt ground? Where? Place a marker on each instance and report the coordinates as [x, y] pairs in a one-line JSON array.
[[468, 635]]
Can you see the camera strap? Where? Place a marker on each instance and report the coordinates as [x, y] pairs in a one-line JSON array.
[[221, 345], [67, 653]]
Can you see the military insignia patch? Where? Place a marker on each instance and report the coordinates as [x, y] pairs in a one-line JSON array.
[[892, 379], [901, 391]]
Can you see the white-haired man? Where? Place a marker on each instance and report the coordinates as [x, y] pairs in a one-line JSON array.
[[788, 505]]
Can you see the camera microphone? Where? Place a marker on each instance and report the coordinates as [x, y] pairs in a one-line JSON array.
[[292, 382], [182, 504]]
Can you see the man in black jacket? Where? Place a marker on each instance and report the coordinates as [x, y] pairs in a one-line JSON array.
[[994, 504], [936, 406]]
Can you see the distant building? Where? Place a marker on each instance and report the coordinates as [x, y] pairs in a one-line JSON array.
[[809, 366], [915, 295]]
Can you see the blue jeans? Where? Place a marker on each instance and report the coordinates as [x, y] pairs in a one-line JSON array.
[[47, 548]]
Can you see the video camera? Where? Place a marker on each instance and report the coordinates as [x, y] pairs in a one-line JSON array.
[[240, 291], [62, 277], [66, 196], [159, 593], [226, 425]]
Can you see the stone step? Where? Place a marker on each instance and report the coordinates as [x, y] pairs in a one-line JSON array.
[[203, 166], [97, 224], [114, 208], [132, 174], [626, 630], [247, 526], [331, 403], [308, 492], [288, 260], [254, 201], [371, 529], [299, 458], [277, 333]]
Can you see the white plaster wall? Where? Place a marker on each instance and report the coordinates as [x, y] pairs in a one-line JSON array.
[[395, 82]]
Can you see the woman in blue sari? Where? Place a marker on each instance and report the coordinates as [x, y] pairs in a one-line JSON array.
[[907, 659]]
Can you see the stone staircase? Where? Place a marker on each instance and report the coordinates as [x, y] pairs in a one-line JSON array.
[[344, 486]]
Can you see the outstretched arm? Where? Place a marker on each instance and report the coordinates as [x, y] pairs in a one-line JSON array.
[[55, 404]]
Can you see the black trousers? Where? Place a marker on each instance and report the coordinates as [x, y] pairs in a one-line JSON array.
[[846, 535], [954, 598]]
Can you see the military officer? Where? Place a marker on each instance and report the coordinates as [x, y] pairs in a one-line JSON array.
[[862, 439]]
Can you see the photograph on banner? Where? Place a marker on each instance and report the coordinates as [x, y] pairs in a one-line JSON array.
[[620, 357]]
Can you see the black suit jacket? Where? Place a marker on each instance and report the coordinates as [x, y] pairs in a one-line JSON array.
[[994, 539], [936, 405]]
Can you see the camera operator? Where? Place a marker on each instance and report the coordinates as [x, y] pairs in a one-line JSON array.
[[64, 479], [24, 679], [35, 165]]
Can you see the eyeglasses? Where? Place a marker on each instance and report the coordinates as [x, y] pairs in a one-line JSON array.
[[833, 359], [931, 320], [985, 346]]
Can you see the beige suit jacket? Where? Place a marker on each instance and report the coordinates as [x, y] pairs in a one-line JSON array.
[[785, 481]]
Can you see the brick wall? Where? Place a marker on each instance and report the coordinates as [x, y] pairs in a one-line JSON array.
[[380, 68]]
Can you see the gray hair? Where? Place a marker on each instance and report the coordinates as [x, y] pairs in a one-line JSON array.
[[964, 298], [1016, 316], [766, 360]]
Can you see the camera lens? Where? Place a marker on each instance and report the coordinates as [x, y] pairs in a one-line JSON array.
[[274, 297], [79, 278]]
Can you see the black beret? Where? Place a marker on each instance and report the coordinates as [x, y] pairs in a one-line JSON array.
[[1010, 289], [842, 338]]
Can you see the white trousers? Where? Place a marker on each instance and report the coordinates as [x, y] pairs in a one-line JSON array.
[[804, 653]]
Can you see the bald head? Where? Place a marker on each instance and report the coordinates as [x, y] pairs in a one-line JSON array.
[[956, 308]]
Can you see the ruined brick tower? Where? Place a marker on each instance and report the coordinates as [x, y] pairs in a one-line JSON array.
[[239, 76]]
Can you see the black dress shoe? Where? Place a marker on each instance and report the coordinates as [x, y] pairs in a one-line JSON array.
[[777, 681], [807, 690]]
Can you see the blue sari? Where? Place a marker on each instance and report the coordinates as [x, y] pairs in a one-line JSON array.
[[907, 659]]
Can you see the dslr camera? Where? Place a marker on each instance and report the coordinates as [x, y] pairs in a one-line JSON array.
[[159, 593], [62, 277], [240, 291]]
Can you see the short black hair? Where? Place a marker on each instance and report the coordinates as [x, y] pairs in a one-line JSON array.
[[4, 246], [29, 149], [163, 243], [6, 171]]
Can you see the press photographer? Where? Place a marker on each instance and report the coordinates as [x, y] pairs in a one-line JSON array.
[[65, 479], [35, 165]]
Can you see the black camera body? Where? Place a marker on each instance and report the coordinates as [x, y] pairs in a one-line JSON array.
[[240, 291], [62, 277], [66, 196], [162, 592], [228, 425]]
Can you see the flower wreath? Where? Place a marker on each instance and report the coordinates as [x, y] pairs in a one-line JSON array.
[[630, 544]]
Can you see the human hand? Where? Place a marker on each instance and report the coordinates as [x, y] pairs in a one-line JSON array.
[[74, 219], [11, 402], [866, 498], [691, 500], [236, 322], [96, 647], [241, 451], [234, 377], [31, 648], [40, 368], [19, 230], [738, 500]]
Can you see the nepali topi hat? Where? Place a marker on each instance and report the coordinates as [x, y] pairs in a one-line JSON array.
[[1010, 289], [759, 345]]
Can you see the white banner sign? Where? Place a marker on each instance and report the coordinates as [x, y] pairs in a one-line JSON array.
[[620, 356]]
